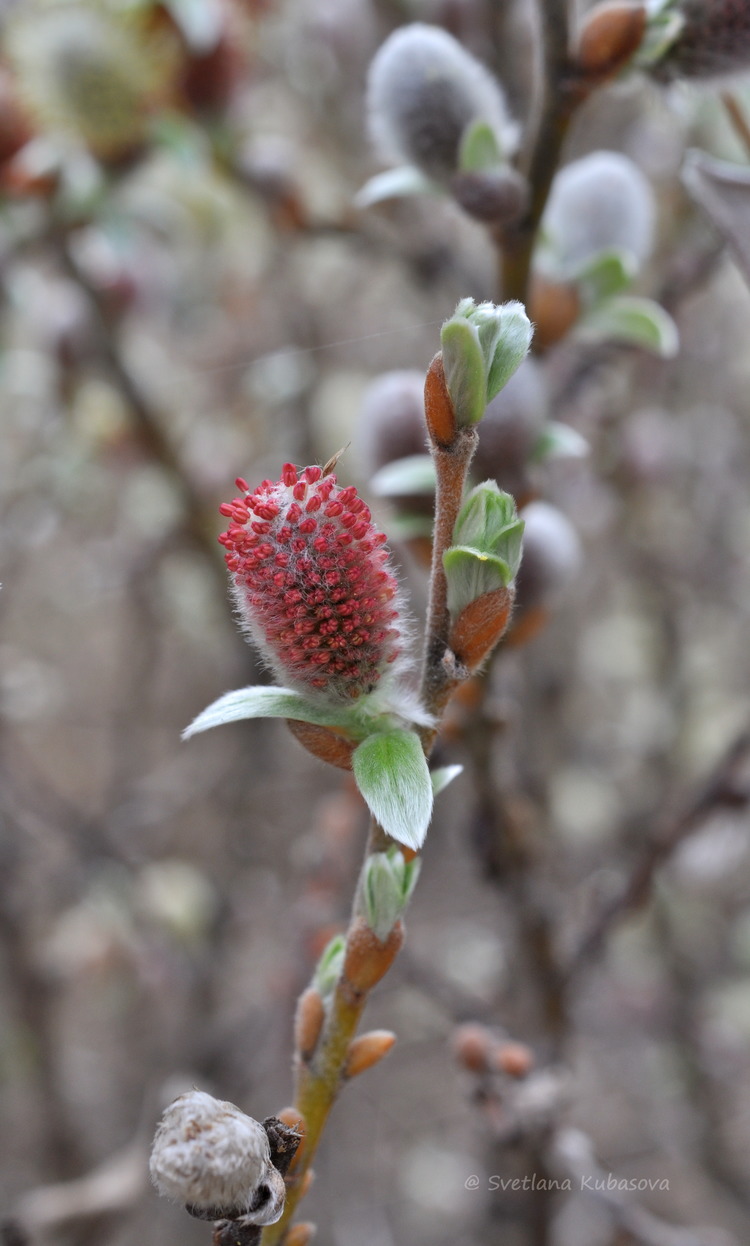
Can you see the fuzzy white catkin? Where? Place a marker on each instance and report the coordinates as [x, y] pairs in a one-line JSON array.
[[599, 202], [208, 1154], [552, 555], [424, 89]]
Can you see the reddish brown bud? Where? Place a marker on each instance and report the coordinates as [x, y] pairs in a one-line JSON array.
[[515, 1059], [367, 959], [308, 1022], [554, 309], [473, 1046], [479, 627], [438, 408], [368, 1050], [323, 742], [611, 34], [301, 1234]]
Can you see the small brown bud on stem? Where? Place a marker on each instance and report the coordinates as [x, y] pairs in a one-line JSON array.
[[308, 1022], [438, 408], [473, 1046], [368, 1050], [611, 34], [367, 959]]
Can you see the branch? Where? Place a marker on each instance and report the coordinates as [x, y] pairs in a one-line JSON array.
[[726, 786]]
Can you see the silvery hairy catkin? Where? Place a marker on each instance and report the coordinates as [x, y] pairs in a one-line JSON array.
[[600, 202], [714, 40], [424, 90]]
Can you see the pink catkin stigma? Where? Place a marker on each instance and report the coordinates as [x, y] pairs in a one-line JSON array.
[[312, 582]]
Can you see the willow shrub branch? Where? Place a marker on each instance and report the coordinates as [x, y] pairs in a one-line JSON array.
[[608, 39]]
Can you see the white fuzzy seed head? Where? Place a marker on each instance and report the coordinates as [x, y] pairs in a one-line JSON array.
[[208, 1154], [424, 89]]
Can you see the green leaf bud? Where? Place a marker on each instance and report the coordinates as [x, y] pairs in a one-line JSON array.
[[329, 966], [387, 887], [486, 552], [483, 345]]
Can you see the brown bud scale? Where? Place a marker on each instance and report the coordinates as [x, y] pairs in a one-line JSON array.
[[611, 34], [479, 627], [438, 408], [367, 959], [308, 1022], [368, 1050], [325, 743]]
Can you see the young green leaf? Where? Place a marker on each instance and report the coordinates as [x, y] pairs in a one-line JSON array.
[[260, 702], [398, 183], [465, 372], [634, 322], [414, 475], [479, 150], [605, 274], [392, 774], [441, 777]]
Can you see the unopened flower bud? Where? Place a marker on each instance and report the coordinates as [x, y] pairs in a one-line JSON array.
[[313, 584], [554, 307], [610, 35], [599, 203], [308, 1021], [483, 345], [424, 91], [368, 1050], [369, 958], [301, 1234], [515, 1059], [713, 39], [495, 196], [389, 880], [473, 1046], [216, 1160]]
